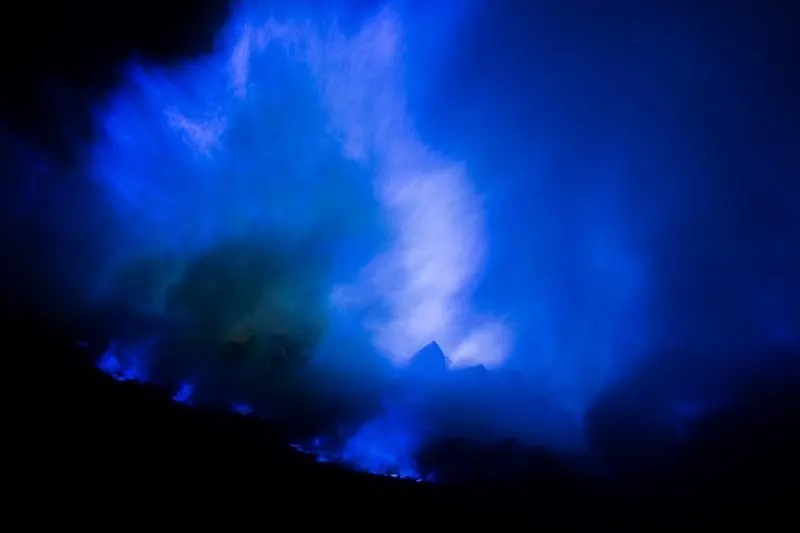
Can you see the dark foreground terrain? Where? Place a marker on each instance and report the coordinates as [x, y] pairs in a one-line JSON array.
[[121, 451]]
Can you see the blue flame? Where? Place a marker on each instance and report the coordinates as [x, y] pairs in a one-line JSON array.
[[184, 393], [386, 445], [126, 363]]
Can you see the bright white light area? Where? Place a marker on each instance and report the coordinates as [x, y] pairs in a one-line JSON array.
[[418, 290]]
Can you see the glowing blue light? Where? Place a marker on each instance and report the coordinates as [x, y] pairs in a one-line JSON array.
[[385, 445], [299, 137], [124, 363], [184, 393], [257, 144]]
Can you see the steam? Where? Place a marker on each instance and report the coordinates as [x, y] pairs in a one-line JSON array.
[[287, 227]]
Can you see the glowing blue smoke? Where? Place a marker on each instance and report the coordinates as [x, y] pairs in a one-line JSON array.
[[309, 182], [386, 445], [282, 137], [296, 135]]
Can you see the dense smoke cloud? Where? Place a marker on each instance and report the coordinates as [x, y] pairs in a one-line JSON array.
[[588, 209]]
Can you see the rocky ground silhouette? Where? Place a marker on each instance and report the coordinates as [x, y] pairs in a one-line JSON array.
[[131, 445]]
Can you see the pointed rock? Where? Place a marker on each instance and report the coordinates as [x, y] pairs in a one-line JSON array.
[[429, 360]]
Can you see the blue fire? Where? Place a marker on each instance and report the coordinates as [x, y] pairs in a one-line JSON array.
[[386, 445], [279, 228], [184, 393], [126, 363]]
